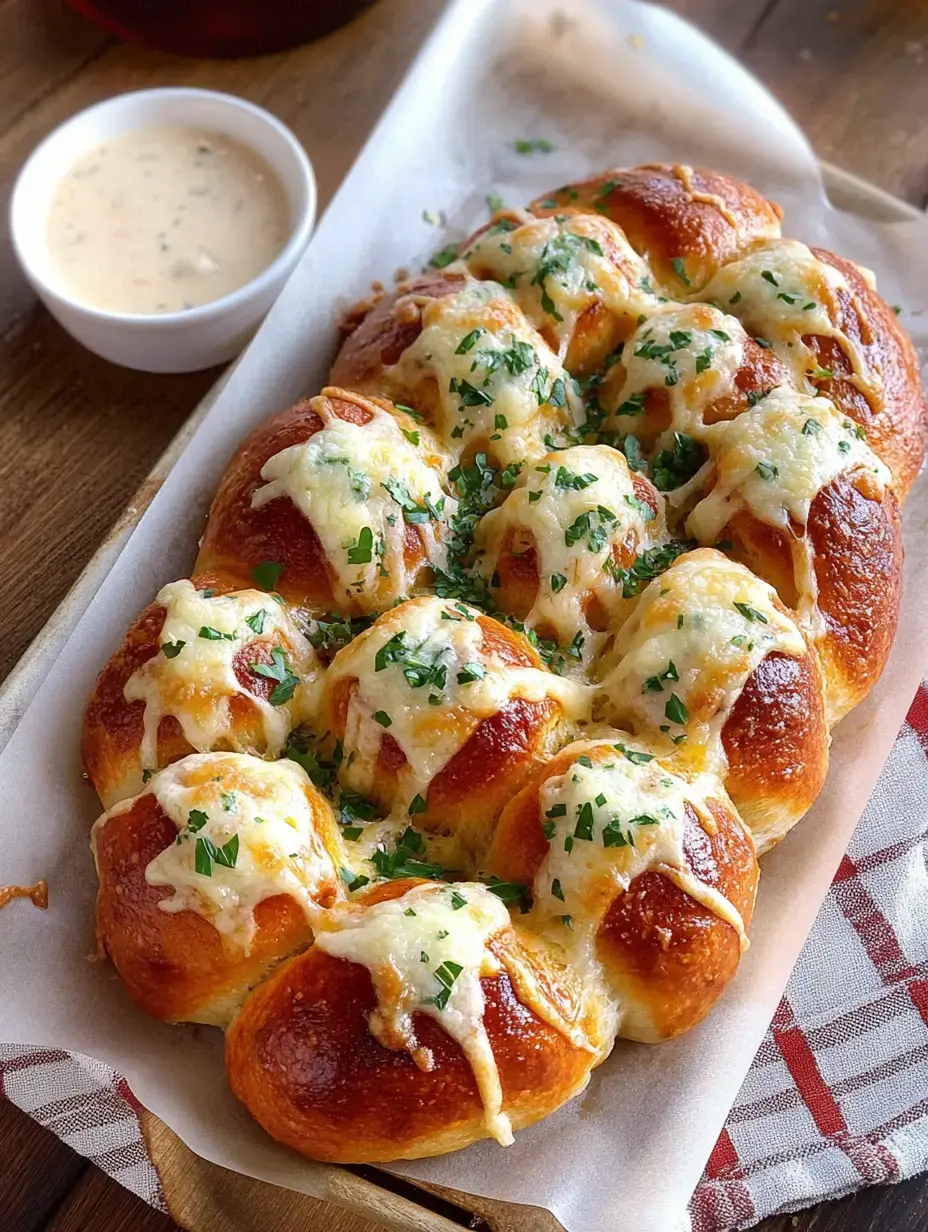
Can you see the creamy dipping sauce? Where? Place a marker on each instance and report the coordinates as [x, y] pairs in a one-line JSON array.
[[166, 218]]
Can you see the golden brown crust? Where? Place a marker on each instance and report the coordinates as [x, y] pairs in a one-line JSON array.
[[895, 419], [597, 330], [175, 965], [667, 957], [238, 538], [855, 538], [113, 726], [392, 325], [302, 1059], [466, 796], [674, 212], [776, 745], [517, 578]]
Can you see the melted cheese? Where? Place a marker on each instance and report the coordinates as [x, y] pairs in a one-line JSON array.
[[775, 458], [692, 353], [282, 837], [499, 384], [196, 684], [430, 943], [558, 268], [782, 292], [688, 637], [351, 480], [447, 637], [684, 174], [588, 485], [633, 813]]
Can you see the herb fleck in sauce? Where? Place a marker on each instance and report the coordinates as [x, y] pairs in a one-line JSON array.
[[166, 218]]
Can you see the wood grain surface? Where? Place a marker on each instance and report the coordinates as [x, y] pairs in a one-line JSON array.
[[77, 436]]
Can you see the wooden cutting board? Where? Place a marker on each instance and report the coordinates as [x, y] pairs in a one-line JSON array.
[[202, 1197]]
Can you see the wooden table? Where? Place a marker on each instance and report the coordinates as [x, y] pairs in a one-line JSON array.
[[77, 436]]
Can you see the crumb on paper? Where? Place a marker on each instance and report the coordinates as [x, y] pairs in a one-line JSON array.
[[435, 218], [401, 274], [37, 894], [534, 145], [635, 41]]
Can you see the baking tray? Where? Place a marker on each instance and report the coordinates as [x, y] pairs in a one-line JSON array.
[[346, 260]]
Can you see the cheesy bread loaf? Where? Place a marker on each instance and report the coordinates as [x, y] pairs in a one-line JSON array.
[[504, 657]]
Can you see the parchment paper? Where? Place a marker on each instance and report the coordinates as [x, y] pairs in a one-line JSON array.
[[609, 83]]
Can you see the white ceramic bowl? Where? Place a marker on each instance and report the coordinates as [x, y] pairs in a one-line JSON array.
[[166, 342]]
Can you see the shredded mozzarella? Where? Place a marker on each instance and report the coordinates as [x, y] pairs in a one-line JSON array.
[[247, 830], [425, 676], [193, 677], [361, 486]]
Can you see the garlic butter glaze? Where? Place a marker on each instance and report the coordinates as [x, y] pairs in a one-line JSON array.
[[165, 218]]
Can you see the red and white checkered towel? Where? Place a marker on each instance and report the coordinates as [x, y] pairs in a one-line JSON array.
[[835, 1099]]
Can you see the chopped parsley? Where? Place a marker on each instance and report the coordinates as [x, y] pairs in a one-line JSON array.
[[511, 893], [557, 256], [406, 858], [676, 711], [444, 256], [413, 512], [534, 145], [278, 670], [471, 672], [354, 881], [213, 635], [649, 565], [446, 974], [361, 552], [750, 613], [331, 635], [633, 755], [672, 468], [267, 574], [468, 342], [633, 405], [207, 853], [593, 526], [256, 622]]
